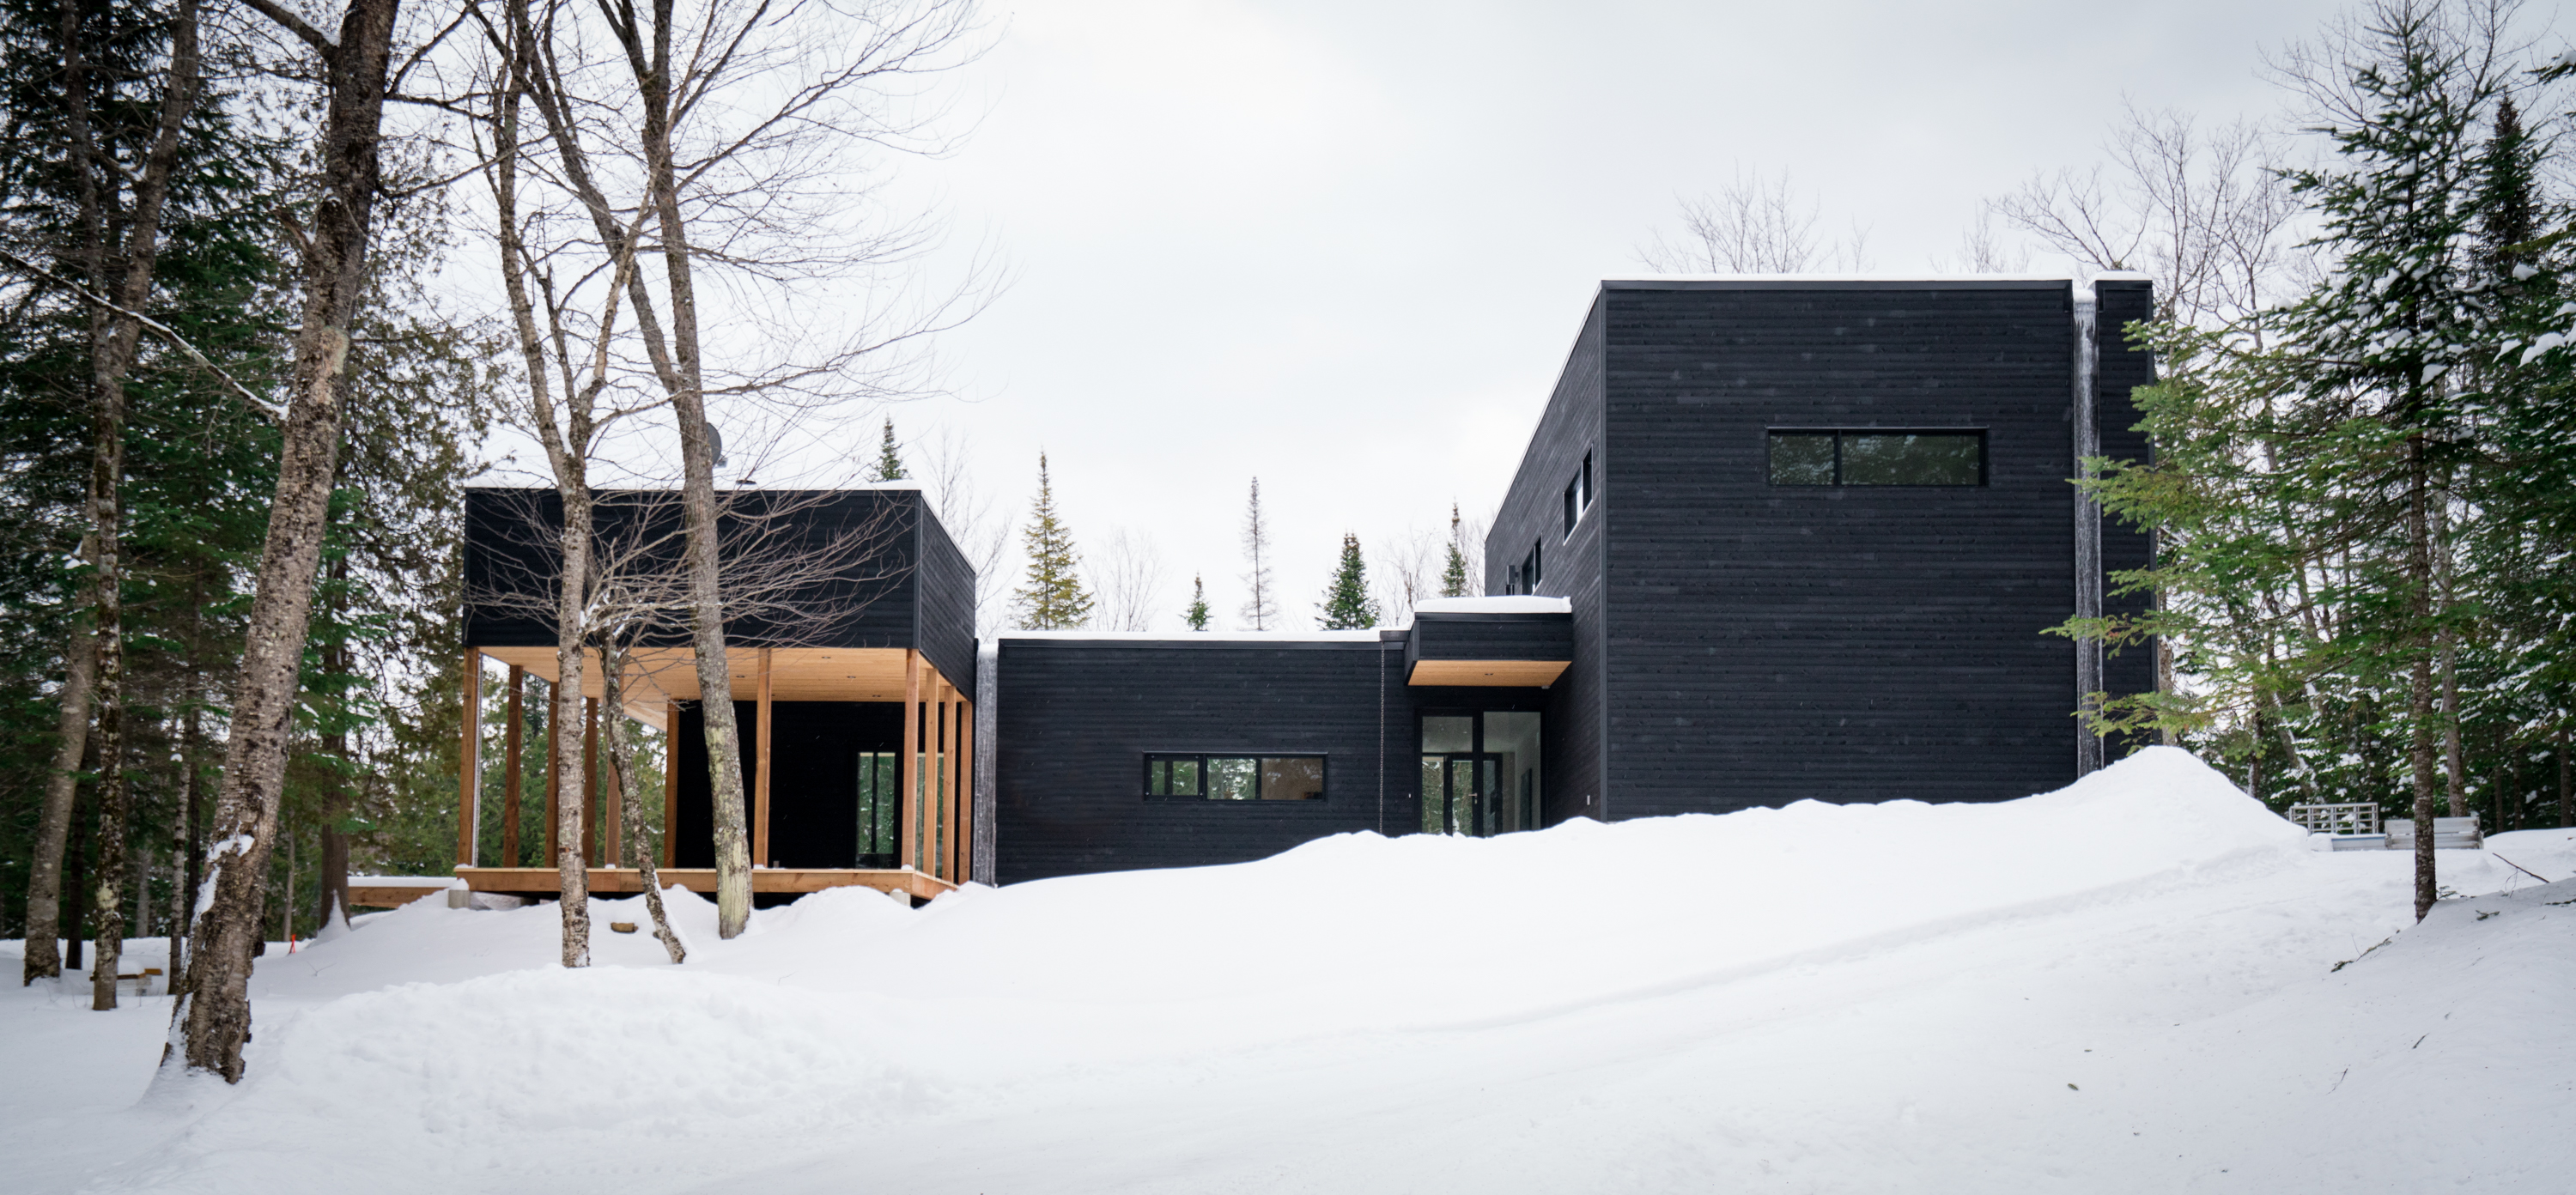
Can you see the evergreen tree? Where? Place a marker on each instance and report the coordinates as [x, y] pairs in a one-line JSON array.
[[1453, 574], [1053, 599], [1346, 605], [889, 463], [1197, 614], [1261, 609]]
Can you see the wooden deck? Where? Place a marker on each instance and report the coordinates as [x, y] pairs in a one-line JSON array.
[[543, 881]]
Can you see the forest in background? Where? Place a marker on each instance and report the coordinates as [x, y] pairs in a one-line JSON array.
[[2362, 494]]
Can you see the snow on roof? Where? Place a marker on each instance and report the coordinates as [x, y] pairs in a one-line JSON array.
[[1200, 636], [1495, 605]]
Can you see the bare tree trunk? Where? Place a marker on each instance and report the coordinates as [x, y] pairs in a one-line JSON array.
[[192, 854], [54, 823], [331, 895], [2566, 794], [2420, 713], [78, 884], [212, 1020], [621, 760], [571, 616], [2454, 767]]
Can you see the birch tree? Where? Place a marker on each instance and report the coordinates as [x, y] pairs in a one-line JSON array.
[[723, 140]]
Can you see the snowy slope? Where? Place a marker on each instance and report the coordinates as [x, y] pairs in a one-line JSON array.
[[2125, 985]]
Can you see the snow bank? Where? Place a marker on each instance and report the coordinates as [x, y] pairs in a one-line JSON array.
[[2125, 984]]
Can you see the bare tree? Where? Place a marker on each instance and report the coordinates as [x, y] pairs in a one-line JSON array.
[[981, 531], [1260, 604], [2206, 212], [211, 1018], [1757, 225], [1982, 250], [1408, 572], [721, 141], [1127, 572]]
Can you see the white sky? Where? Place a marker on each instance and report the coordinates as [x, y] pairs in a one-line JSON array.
[[1345, 246]]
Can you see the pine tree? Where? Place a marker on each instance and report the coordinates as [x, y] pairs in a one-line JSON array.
[[1346, 605], [1197, 614], [889, 463], [1054, 598], [1453, 575], [1262, 608]]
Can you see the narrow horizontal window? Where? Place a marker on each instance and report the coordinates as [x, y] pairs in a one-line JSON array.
[[1876, 457], [1234, 777]]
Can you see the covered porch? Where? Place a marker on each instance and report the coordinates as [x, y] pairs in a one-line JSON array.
[[916, 803]]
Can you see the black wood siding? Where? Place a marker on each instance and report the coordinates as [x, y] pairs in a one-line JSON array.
[[1847, 644], [1573, 566], [2124, 368], [872, 599], [1489, 636], [813, 797], [946, 609], [1076, 718]]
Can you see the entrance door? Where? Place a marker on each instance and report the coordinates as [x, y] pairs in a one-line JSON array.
[[1480, 772]]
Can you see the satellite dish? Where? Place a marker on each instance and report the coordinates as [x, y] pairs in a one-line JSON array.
[[715, 443]]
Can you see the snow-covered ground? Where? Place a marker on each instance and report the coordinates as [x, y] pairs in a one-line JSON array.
[[2129, 985]]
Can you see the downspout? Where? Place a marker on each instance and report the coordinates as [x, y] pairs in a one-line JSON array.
[[2088, 526], [984, 841]]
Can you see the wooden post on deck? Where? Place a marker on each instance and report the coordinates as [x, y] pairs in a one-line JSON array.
[[954, 735], [469, 761], [760, 778], [554, 783], [941, 825], [589, 779], [907, 769], [670, 777], [510, 774], [612, 797]]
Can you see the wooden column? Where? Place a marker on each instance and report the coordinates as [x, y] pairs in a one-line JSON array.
[[760, 778], [554, 783], [469, 761], [907, 771], [956, 757], [510, 772], [611, 801], [939, 836], [589, 780], [670, 776]]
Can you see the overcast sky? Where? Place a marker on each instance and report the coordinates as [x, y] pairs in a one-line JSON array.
[[1346, 246]]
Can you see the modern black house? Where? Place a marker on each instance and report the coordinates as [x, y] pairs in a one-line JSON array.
[[1773, 539]]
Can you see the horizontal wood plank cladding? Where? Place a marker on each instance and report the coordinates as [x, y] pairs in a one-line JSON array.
[[1484, 636], [1572, 565], [2123, 369], [1768, 644], [1075, 719], [862, 594]]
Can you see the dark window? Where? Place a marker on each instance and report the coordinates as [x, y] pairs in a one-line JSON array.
[[1578, 495], [1530, 571], [1875, 457], [1235, 777]]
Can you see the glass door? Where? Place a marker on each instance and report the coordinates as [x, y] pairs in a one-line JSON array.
[[1480, 772], [879, 805]]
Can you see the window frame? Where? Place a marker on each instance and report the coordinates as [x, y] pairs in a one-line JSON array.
[[1578, 497], [1770, 476], [1323, 770]]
